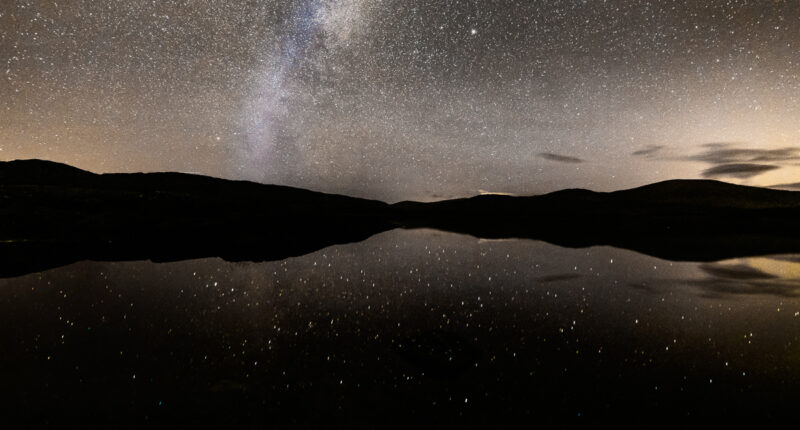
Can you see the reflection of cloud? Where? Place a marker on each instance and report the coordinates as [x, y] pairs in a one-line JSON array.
[[788, 258], [649, 150], [737, 271], [738, 170], [559, 158], [735, 279], [648, 288], [558, 277]]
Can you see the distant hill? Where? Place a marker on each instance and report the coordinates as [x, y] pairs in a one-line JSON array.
[[707, 193], [53, 214], [695, 220]]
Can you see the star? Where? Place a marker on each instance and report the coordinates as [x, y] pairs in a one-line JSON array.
[[420, 102]]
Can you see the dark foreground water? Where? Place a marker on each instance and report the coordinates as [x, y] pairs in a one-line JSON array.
[[407, 327]]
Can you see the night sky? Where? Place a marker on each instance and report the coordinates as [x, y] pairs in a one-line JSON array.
[[402, 99]]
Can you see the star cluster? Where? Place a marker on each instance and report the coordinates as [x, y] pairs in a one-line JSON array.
[[396, 99]]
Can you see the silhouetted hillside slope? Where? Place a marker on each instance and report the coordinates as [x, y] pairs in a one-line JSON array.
[[707, 193], [52, 214], [696, 220]]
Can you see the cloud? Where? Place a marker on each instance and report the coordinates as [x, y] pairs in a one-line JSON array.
[[719, 153], [738, 170], [559, 158], [729, 159], [718, 144], [794, 186], [647, 151]]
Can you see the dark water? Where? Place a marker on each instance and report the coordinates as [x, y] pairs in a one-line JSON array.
[[407, 327]]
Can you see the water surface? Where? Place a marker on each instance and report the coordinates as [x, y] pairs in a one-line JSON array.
[[409, 325]]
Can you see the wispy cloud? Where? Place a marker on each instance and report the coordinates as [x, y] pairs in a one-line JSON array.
[[719, 154], [738, 170], [648, 151], [731, 160], [559, 158], [794, 186], [719, 144]]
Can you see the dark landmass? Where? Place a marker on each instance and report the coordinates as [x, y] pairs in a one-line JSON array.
[[679, 220], [53, 214]]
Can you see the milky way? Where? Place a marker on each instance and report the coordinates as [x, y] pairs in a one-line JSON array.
[[396, 99]]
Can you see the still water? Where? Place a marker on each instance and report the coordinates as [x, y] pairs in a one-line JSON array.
[[407, 326]]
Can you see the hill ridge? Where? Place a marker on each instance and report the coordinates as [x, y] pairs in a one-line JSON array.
[[54, 214]]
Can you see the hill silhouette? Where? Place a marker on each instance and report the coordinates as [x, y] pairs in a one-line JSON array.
[[53, 214], [681, 220]]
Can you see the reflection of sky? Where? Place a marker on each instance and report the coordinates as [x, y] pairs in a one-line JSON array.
[[778, 276], [491, 314]]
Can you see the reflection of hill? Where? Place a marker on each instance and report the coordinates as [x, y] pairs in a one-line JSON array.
[[53, 214], [696, 220]]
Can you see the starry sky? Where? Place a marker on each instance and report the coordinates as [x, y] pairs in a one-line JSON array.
[[408, 99]]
